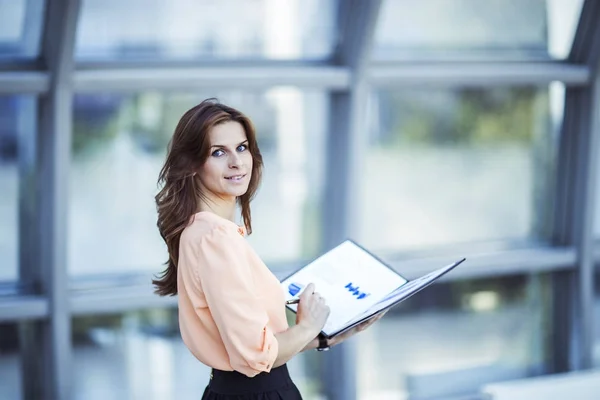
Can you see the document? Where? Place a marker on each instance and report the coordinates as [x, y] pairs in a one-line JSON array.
[[356, 285]]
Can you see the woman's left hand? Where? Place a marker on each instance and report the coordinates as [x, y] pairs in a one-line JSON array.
[[358, 328]]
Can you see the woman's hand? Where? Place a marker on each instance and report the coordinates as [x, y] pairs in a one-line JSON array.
[[312, 311], [358, 328]]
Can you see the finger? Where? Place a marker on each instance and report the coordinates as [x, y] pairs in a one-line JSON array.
[[365, 325], [308, 291]]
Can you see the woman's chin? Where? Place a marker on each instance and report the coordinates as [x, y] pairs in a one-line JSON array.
[[236, 192]]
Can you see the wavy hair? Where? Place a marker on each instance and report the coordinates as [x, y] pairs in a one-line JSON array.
[[177, 200]]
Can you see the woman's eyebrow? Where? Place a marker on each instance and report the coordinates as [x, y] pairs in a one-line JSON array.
[[224, 147]]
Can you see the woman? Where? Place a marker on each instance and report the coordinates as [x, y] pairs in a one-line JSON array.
[[231, 307]]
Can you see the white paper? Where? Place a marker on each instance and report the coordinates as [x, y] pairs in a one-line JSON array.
[[403, 292], [350, 279]]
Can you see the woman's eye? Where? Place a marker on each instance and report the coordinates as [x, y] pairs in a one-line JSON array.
[[242, 147], [218, 153]]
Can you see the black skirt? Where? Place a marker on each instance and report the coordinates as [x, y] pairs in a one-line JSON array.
[[232, 385]]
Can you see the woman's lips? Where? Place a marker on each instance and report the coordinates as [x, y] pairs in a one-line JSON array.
[[235, 178]]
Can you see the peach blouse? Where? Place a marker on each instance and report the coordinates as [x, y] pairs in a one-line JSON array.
[[230, 303]]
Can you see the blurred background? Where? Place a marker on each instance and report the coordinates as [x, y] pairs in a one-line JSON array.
[[425, 130]]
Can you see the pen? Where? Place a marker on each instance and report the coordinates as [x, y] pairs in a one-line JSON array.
[[293, 301]]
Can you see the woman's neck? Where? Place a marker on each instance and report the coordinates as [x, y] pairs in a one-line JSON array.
[[221, 207]]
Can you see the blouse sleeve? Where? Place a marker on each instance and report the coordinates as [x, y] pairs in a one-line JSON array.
[[228, 285]]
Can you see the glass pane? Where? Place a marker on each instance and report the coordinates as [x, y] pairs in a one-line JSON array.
[[193, 29], [10, 362], [141, 356], [20, 28], [459, 165], [17, 131], [456, 338], [119, 147], [505, 29]]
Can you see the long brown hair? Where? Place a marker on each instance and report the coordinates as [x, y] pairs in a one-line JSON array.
[[177, 201]]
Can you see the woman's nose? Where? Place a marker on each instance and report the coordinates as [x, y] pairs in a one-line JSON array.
[[235, 161]]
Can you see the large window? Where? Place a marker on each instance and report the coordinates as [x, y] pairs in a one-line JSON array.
[[17, 134], [454, 338], [20, 28], [136, 355], [119, 147], [10, 365], [205, 29], [438, 167], [141, 355], [463, 165], [473, 29]]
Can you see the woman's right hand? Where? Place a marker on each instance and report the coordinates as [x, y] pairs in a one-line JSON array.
[[312, 311]]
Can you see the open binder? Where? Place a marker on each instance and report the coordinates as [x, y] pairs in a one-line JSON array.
[[356, 285]]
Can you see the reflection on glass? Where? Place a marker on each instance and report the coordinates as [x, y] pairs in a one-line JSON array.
[[16, 127], [462, 165], [141, 356], [454, 338], [476, 29], [119, 147], [20, 28], [205, 29], [10, 362]]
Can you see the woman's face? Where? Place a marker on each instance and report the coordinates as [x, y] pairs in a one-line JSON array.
[[227, 171]]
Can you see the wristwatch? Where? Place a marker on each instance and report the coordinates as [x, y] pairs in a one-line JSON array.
[[323, 345]]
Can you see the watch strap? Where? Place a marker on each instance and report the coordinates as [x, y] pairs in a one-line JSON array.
[[323, 345]]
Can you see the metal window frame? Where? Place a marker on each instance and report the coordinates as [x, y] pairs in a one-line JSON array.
[[477, 74], [335, 78], [199, 78], [586, 44], [112, 296], [576, 197], [15, 82], [356, 24], [46, 344], [23, 308]]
